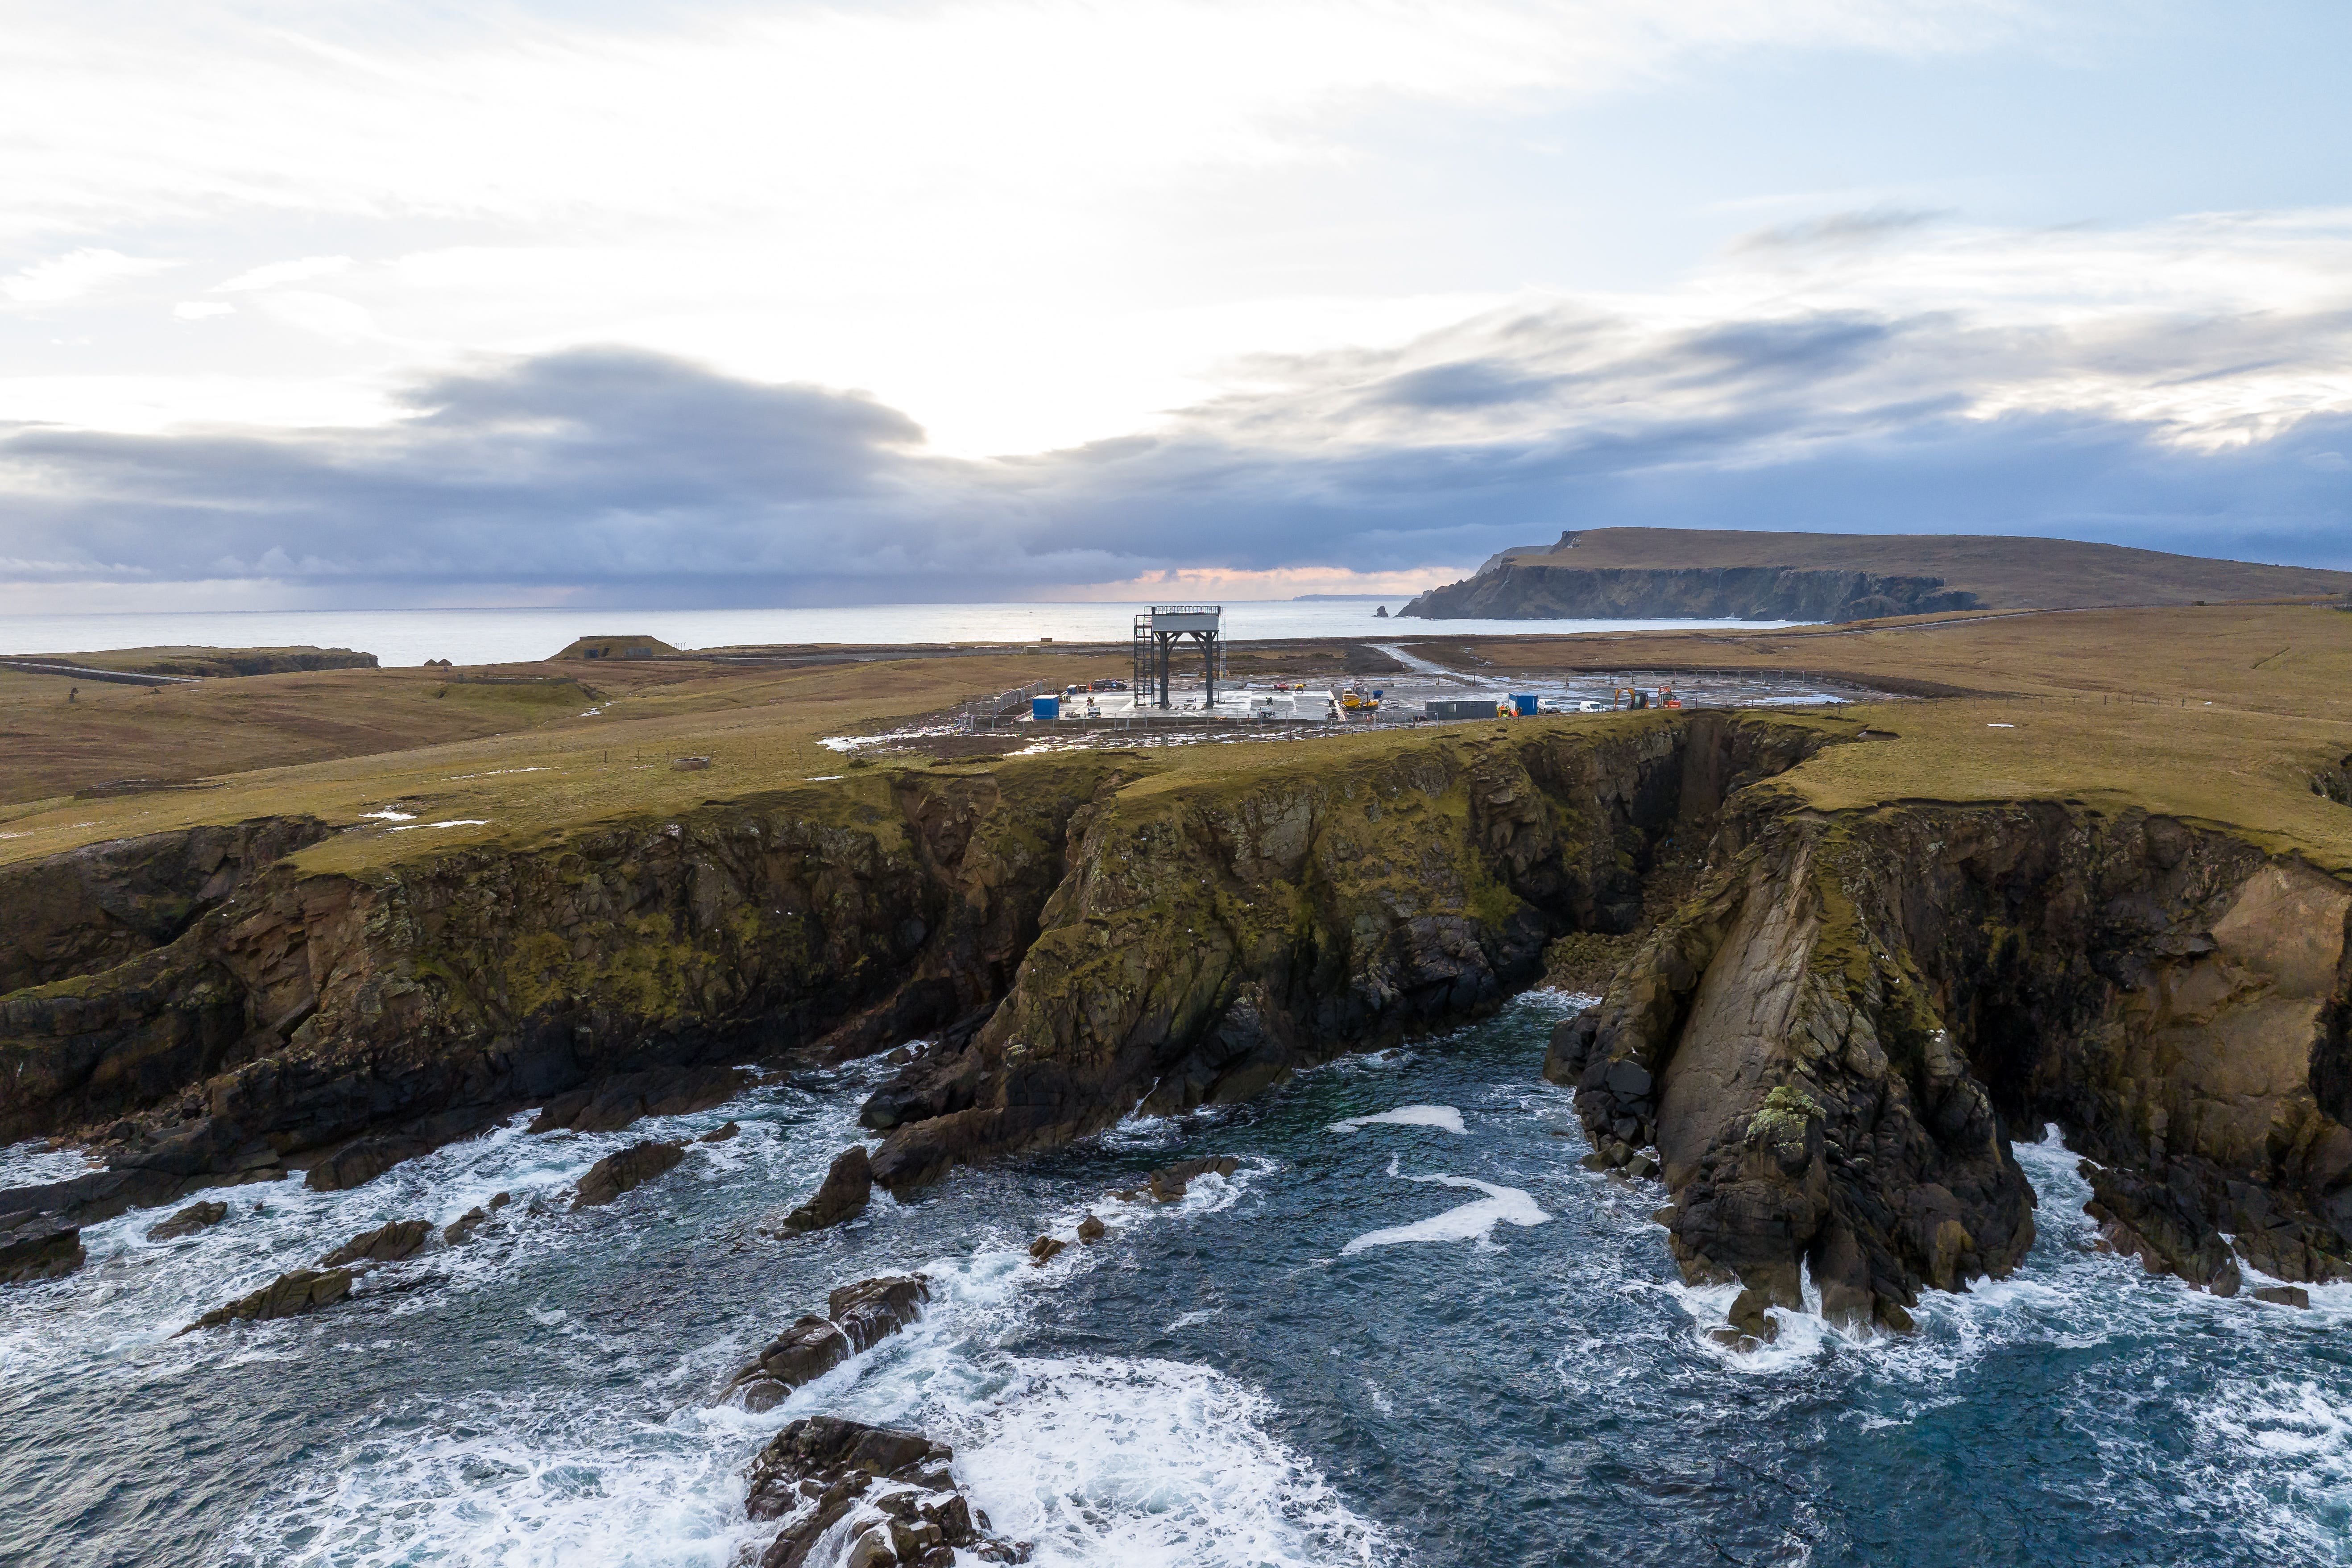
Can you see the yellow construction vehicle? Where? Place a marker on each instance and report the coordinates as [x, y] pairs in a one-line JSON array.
[[1356, 700]]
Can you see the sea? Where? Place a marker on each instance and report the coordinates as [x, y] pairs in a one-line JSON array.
[[499, 636], [1409, 1329]]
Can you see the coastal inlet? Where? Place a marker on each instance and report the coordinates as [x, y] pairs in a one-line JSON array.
[[1408, 1327]]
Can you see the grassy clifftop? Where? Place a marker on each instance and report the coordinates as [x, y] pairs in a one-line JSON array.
[[2002, 572], [2237, 715]]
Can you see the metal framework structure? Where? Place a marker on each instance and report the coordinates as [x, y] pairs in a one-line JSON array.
[[1157, 630]]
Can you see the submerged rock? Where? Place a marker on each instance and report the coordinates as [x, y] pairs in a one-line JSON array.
[[1170, 1182], [2283, 1295], [38, 1247], [361, 1162], [847, 1188], [461, 1229], [291, 1295], [634, 1166], [1091, 1230], [860, 1316], [1045, 1248], [719, 1134], [891, 1492], [387, 1243], [614, 1103], [197, 1216]]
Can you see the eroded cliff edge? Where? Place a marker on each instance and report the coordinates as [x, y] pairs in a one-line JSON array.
[[1550, 592], [1212, 937], [1831, 1044], [346, 1021], [1200, 935]]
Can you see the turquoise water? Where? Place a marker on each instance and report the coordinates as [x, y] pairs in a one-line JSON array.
[[1384, 1343]]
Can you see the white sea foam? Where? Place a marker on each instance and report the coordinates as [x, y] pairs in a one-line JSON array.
[[510, 1482], [1499, 1206], [134, 1294], [34, 1163], [1550, 998], [1387, 1060], [1443, 1117], [1100, 1460]]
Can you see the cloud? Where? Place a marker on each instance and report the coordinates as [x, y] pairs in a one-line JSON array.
[[75, 274], [620, 476], [201, 309], [1840, 229], [277, 274]]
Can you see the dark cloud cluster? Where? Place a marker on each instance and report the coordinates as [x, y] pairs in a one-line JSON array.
[[632, 476]]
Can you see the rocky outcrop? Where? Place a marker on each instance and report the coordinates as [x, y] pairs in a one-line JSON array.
[[151, 1167], [1171, 1183], [459, 1231], [344, 1023], [350, 1022], [291, 1295], [1831, 1044], [197, 1216], [387, 1243], [1695, 593], [847, 1188], [867, 1497], [1212, 939], [859, 1316], [615, 1102], [38, 1247], [626, 1172], [92, 909]]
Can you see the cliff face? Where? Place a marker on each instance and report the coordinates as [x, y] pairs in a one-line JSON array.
[[1830, 1044], [412, 1007], [86, 911], [1697, 593], [1211, 939], [1197, 942]]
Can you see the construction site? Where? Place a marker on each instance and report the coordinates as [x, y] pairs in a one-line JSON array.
[[1182, 680]]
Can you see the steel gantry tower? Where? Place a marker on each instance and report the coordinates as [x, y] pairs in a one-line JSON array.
[[1157, 632]]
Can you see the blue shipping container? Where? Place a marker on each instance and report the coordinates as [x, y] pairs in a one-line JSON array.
[[1044, 708], [1524, 703]]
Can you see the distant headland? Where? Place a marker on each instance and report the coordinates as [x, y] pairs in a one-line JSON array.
[[1706, 573]]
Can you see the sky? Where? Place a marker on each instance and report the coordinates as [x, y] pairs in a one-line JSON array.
[[341, 305]]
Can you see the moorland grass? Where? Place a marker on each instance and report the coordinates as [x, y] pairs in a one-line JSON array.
[[2221, 714]]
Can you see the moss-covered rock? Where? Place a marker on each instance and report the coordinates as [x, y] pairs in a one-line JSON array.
[[1831, 1043]]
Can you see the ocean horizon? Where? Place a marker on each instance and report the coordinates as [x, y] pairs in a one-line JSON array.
[[471, 636]]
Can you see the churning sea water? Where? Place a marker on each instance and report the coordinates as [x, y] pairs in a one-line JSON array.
[[1410, 1328], [496, 637]]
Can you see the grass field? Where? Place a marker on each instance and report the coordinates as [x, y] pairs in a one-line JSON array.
[[2222, 714]]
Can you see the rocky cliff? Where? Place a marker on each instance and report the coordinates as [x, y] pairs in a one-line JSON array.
[[1768, 574], [1833, 1041], [1212, 937], [1695, 593], [409, 1006], [1830, 1041], [1197, 942]]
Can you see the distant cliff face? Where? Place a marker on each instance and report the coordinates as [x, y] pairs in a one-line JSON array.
[[1695, 593]]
